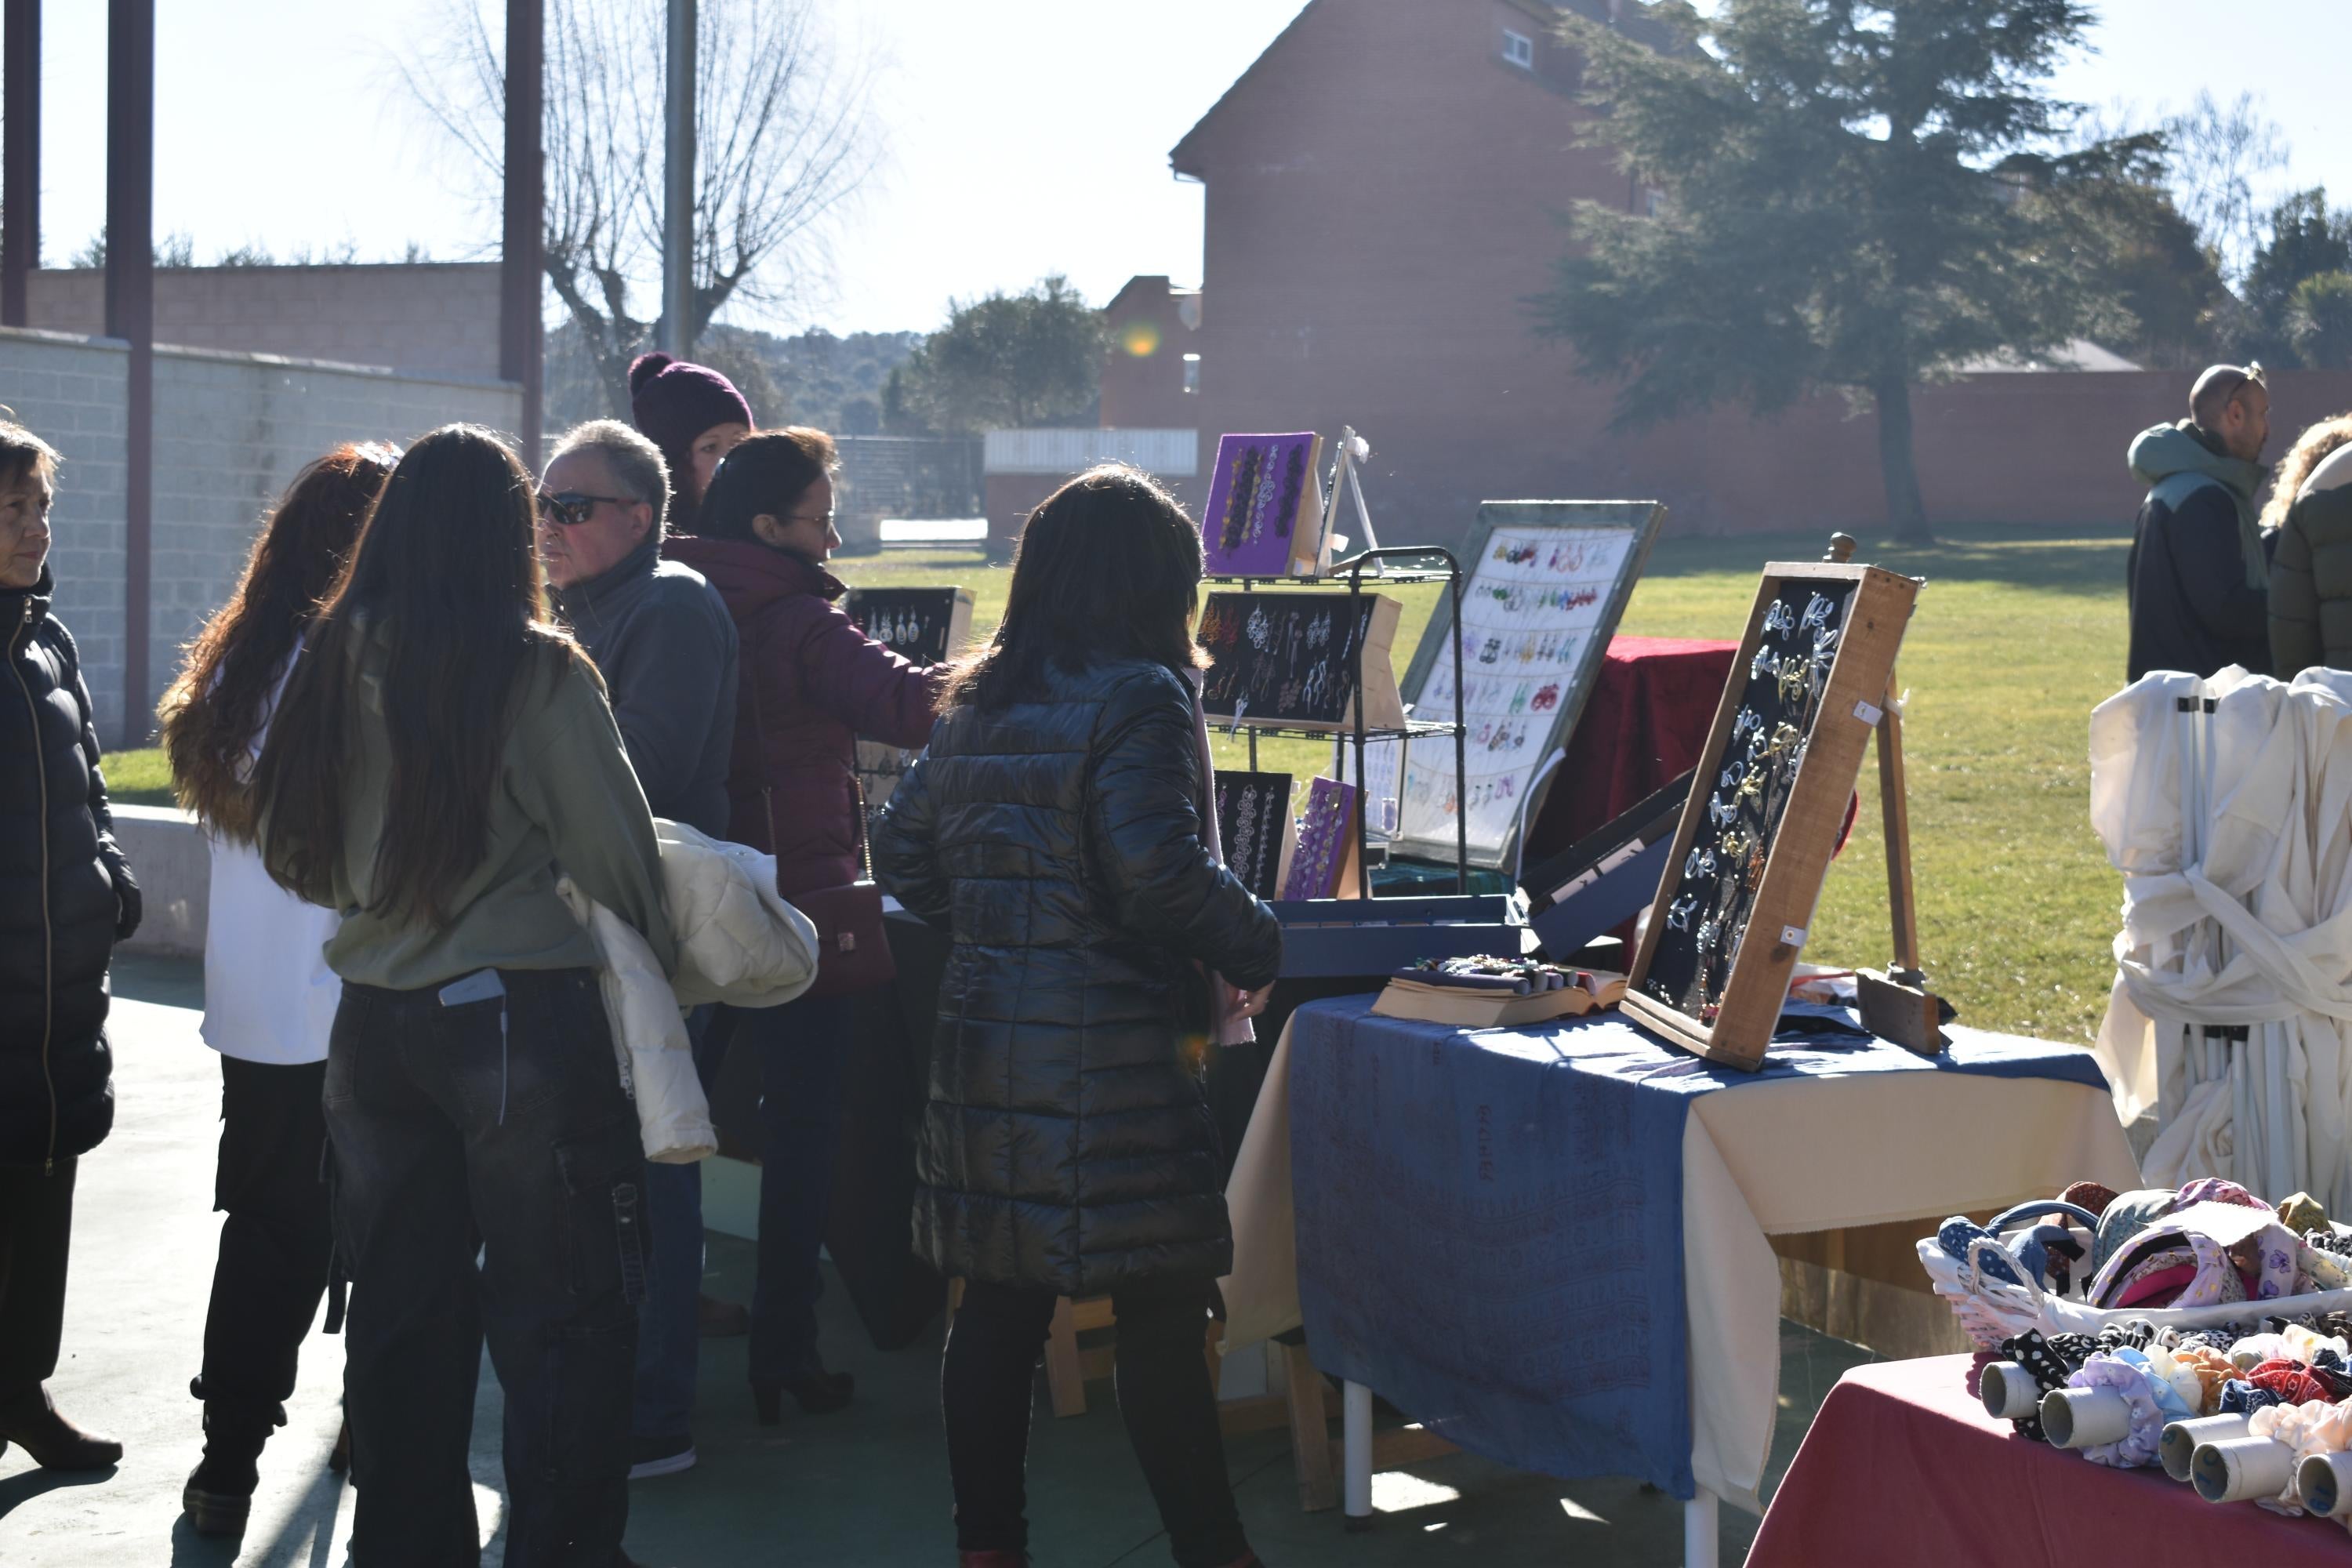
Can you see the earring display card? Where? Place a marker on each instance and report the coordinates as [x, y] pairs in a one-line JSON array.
[[1256, 829], [1264, 514], [929, 625], [1290, 660], [1732, 911], [1324, 865], [1544, 586]]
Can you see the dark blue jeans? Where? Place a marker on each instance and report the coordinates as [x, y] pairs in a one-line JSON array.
[[801, 1047], [496, 1126], [669, 1330]]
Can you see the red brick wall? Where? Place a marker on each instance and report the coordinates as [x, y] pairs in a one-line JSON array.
[[1143, 376], [1383, 196]]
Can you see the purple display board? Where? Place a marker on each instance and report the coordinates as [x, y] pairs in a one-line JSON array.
[[1262, 515]]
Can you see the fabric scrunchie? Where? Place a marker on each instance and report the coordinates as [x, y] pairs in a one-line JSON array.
[[2240, 1397], [2212, 1369], [2045, 1366], [2291, 1381], [2088, 1195], [2137, 1447]]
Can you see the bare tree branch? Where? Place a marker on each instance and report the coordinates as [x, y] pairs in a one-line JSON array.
[[785, 143]]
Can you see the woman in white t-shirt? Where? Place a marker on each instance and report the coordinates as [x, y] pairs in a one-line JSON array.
[[269, 997]]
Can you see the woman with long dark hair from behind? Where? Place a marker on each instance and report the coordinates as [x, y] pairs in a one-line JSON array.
[[1055, 828], [441, 751], [269, 997], [811, 684]]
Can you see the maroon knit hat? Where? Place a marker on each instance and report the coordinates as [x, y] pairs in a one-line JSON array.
[[675, 400]]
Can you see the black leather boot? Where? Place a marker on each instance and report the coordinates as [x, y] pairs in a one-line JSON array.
[[218, 1497], [31, 1422]]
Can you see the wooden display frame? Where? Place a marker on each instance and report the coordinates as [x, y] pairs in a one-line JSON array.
[[1853, 701]]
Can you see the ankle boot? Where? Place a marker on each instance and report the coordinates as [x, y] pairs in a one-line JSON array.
[[218, 1496], [31, 1422]]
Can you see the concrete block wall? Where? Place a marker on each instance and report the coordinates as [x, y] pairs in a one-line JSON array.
[[231, 429], [435, 317]]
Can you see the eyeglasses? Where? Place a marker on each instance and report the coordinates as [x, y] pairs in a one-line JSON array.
[[572, 508]]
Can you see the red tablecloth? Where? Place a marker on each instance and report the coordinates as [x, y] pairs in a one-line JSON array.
[[1903, 1466], [1642, 727]]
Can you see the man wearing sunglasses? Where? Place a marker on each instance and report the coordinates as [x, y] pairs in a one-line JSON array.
[[666, 645]]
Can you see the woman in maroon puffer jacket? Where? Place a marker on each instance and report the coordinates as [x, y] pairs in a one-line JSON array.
[[812, 683]]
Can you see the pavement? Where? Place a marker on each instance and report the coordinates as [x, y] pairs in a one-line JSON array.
[[865, 1486]]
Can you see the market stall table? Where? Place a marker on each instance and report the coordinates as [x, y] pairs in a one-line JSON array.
[[1902, 1465], [1547, 1244]]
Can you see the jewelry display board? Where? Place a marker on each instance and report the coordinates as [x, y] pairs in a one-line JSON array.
[[1548, 581], [1266, 507], [929, 625], [1295, 660], [1254, 827], [1733, 909]]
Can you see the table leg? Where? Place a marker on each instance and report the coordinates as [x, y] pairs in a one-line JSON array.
[[1356, 1446], [1699, 1531]]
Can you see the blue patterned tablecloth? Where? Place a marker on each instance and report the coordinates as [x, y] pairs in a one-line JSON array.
[[1490, 1223]]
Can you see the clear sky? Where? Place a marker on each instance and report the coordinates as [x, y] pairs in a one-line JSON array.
[[1024, 136]]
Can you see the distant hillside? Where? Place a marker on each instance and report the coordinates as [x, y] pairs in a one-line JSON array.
[[814, 378]]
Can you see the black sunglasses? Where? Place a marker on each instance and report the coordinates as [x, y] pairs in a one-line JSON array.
[[572, 508]]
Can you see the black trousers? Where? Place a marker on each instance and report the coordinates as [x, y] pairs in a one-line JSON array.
[[275, 1244], [986, 1388], [501, 1123], [36, 1232]]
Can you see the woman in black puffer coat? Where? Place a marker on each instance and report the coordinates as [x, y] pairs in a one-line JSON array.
[[1054, 828], [66, 898]]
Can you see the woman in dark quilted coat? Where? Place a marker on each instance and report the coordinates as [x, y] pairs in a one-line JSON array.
[[811, 684], [66, 898], [1054, 829]]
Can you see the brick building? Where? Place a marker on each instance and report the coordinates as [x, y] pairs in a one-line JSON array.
[[1384, 189]]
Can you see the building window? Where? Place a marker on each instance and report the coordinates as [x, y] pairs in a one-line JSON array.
[[1192, 373], [1520, 49]]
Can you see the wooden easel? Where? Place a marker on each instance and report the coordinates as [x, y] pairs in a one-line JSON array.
[[1896, 1003]]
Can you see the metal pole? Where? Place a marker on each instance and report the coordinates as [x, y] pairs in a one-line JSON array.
[[20, 161], [130, 315], [524, 241], [678, 186]]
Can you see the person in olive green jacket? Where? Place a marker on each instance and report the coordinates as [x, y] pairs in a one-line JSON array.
[[441, 755], [2311, 573]]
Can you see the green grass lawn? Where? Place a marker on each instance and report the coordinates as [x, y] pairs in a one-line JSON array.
[[2017, 637]]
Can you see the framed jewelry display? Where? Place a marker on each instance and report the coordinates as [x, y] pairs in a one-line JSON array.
[[1733, 909], [1546, 583], [1255, 828], [924, 624], [1294, 660]]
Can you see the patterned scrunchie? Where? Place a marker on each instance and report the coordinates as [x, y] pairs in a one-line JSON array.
[[2213, 1369], [2045, 1366], [2147, 1397], [2291, 1381], [2240, 1397]]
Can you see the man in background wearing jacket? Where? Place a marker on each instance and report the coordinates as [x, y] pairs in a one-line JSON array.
[[665, 645], [66, 898], [2200, 571]]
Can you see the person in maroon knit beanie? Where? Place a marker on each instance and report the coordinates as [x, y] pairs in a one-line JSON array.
[[695, 416]]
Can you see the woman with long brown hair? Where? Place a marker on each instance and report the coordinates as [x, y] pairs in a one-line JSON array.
[[269, 997], [441, 751], [1056, 829]]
